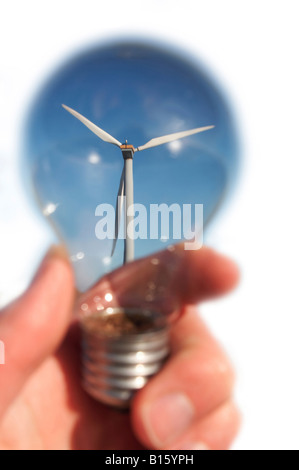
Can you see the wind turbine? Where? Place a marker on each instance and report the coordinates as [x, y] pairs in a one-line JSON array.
[[126, 180]]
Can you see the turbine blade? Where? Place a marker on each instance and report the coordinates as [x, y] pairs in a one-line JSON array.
[[119, 202], [95, 129], [170, 137]]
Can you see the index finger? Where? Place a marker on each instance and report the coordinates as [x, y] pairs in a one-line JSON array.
[[166, 280]]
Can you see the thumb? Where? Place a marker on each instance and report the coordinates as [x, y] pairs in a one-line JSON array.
[[33, 326]]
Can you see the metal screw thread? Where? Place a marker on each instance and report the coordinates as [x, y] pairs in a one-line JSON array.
[[117, 364]]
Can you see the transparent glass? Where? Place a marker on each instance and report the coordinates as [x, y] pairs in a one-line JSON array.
[[134, 92]]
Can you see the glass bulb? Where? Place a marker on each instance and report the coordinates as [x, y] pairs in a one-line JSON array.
[[135, 92]]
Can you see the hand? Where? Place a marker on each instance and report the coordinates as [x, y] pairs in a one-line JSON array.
[[188, 405]]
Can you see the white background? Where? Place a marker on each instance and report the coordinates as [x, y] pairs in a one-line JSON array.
[[252, 47]]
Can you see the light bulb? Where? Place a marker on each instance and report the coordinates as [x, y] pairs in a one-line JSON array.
[[126, 94]]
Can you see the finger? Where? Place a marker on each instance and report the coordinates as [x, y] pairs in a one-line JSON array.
[[167, 280], [203, 274], [215, 431], [196, 380], [33, 326]]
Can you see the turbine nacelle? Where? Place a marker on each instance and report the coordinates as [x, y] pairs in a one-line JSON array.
[[127, 150]]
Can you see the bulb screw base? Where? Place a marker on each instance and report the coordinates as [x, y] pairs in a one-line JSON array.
[[122, 348]]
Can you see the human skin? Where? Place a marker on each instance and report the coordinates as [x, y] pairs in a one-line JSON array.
[[187, 405]]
